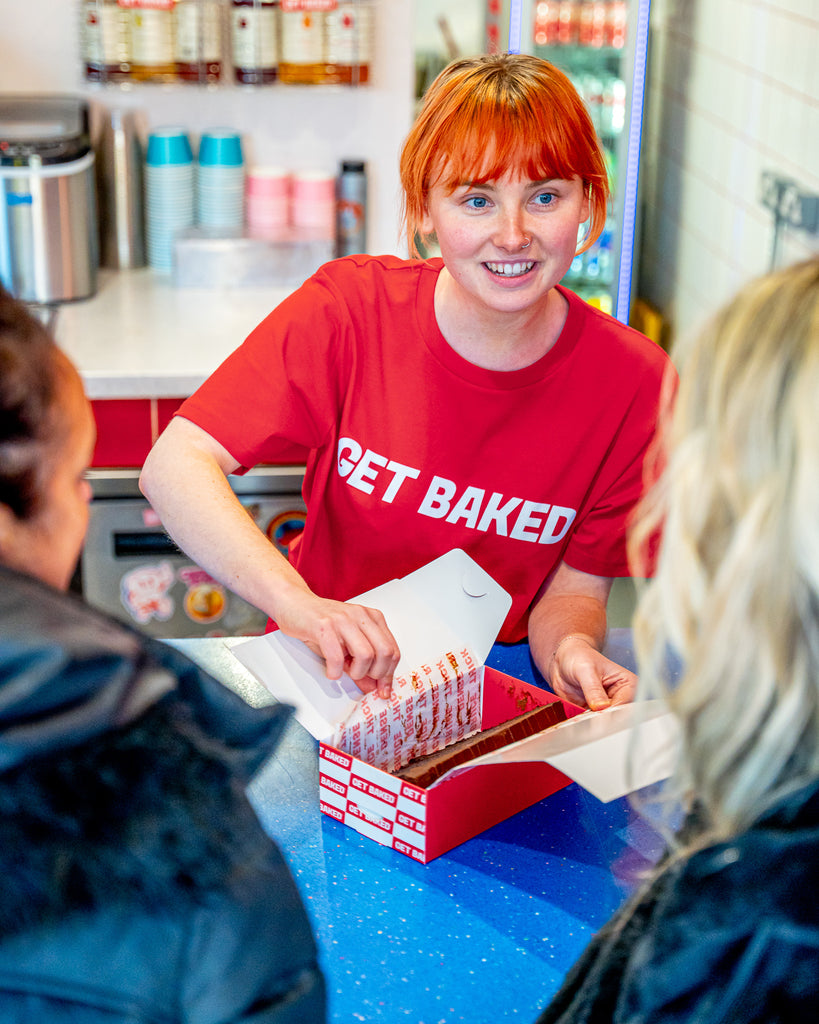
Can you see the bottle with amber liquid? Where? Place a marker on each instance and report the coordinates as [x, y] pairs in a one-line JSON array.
[[304, 41], [198, 40], [152, 42], [254, 32], [350, 41]]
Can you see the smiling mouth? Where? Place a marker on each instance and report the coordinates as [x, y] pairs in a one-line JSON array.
[[510, 269]]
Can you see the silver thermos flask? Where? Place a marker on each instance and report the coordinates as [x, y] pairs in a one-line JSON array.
[[351, 208], [120, 193]]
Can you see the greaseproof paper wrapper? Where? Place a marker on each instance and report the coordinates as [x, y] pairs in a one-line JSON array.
[[438, 703]]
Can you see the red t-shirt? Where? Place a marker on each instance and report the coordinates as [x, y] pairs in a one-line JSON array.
[[411, 450]]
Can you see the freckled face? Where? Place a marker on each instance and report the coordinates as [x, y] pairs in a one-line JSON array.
[[506, 243], [48, 544]]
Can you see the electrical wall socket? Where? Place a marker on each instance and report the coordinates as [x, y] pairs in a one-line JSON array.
[[789, 202]]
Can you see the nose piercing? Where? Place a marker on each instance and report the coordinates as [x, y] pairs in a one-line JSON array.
[[527, 243]]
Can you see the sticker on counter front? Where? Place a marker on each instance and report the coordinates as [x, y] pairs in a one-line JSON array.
[[150, 517], [144, 592], [285, 529], [205, 600]]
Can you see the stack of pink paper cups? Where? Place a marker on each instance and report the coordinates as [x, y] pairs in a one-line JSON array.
[[267, 202], [313, 205]]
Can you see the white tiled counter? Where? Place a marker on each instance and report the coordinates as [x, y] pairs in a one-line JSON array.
[[141, 336]]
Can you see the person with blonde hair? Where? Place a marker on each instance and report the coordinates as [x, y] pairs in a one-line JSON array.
[[463, 401], [727, 929]]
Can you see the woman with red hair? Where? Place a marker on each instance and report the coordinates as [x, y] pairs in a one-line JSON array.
[[463, 401]]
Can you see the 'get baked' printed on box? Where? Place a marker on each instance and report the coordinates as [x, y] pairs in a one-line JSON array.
[[458, 747]]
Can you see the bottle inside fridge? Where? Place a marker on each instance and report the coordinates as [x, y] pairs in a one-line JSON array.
[[601, 45]]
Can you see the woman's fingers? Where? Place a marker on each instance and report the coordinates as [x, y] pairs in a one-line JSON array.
[[355, 640], [586, 677], [372, 649]]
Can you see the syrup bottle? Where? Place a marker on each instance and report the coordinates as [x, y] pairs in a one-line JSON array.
[[255, 36], [198, 40], [350, 40], [304, 41], [106, 41], [152, 46]]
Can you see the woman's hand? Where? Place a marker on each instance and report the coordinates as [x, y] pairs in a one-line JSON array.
[[579, 673], [185, 479], [349, 637]]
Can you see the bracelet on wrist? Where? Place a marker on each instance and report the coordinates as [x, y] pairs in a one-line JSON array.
[[559, 644]]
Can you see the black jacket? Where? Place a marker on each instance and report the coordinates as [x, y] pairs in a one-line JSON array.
[[137, 883], [728, 936]]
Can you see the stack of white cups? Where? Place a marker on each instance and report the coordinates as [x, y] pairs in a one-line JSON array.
[[169, 192], [220, 182]]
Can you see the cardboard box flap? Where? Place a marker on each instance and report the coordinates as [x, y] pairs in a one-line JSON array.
[[295, 675], [609, 753], [449, 603], [462, 596]]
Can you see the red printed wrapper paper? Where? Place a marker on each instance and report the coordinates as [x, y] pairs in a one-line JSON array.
[[436, 704]]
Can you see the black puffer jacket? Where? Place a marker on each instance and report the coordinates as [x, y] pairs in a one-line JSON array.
[[137, 883], [728, 936]]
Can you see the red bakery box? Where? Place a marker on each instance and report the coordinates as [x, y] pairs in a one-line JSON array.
[[451, 605], [424, 823]]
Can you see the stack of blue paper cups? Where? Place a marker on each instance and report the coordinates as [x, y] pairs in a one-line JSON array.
[[220, 180], [169, 193]]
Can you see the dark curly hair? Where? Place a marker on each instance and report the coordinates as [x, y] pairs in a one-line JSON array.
[[30, 368]]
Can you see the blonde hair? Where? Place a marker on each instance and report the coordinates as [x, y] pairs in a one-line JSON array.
[[736, 591], [484, 115]]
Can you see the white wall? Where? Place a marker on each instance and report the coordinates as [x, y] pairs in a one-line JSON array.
[[305, 126], [733, 91]]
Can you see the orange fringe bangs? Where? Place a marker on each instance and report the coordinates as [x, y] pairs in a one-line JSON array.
[[480, 119]]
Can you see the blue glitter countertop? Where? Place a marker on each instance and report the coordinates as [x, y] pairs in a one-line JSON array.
[[484, 933]]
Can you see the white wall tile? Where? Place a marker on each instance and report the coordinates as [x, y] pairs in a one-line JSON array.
[[800, 44], [757, 102], [808, 135], [779, 55], [812, 39], [752, 39], [744, 81]]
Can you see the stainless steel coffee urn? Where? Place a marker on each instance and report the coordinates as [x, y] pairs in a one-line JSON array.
[[49, 247]]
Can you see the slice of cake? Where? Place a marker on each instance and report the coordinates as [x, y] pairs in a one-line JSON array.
[[423, 771]]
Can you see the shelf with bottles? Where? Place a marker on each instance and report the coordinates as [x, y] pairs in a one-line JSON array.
[[224, 42]]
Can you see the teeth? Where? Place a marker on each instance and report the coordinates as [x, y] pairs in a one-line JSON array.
[[511, 269]]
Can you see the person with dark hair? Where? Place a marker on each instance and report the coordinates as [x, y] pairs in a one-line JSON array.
[[47, 436], [138, 883], [726, 929], [468, 401]]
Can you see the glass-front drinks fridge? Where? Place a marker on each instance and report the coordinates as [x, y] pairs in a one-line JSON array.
[[602, 46]]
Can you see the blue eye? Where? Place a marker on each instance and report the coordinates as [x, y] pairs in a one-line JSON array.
[[477, 202], [544, 198]]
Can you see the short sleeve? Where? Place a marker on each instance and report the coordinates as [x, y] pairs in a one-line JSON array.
[[598, 543], [276, 396]]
